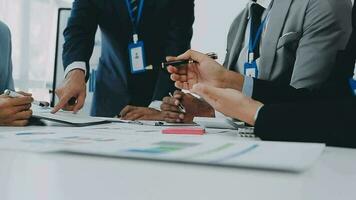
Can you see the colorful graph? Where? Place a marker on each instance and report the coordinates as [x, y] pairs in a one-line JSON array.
[[163, 148]]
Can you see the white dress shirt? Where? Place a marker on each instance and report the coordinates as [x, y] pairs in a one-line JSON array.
[[247, 88]]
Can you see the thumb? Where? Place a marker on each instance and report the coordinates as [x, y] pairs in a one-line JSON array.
[[193, 55]]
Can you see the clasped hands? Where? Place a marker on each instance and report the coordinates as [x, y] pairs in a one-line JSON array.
[[219, 87]]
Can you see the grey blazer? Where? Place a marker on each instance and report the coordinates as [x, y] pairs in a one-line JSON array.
[[300, 43], [6, 81]]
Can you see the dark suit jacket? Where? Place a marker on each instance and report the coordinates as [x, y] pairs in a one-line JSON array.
[[332, 122], [337, 85], [166, 29]]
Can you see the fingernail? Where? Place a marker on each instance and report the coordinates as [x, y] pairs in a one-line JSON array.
[[181, 116]]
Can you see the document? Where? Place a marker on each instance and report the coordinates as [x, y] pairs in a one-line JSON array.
[[146, 142], [293, 157], [66, 117]]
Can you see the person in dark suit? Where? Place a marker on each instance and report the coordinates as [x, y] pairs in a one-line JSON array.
[[123, 79]]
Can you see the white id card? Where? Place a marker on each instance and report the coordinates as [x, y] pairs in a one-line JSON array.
[[137, 57]]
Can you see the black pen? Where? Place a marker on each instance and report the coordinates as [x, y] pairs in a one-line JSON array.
[[180, 63]]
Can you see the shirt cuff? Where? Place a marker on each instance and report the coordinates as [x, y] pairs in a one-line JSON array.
[[257, 112], [156, 105], [75, 65], [247, 88]]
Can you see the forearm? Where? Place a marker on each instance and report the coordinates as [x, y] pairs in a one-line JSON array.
[[232, 80], [329, 122]]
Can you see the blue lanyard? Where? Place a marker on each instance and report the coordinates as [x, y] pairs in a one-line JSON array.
[[253, 41], [135, 22]]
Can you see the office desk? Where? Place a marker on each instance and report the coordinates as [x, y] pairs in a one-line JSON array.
[[56, 176]]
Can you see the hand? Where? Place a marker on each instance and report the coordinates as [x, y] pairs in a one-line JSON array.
[[141, 113], [194, 107], [230, 102], [73, 86], [15, 111], [205, 71]]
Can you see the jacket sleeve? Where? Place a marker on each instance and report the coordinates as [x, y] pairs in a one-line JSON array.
[[180, 32], [323, 36], [80, 33], [331, 122]]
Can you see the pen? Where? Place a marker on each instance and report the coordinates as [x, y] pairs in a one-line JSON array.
[[180, 106], [179, 63], [13, 94]]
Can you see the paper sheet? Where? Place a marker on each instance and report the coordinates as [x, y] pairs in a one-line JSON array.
[[146, 142]]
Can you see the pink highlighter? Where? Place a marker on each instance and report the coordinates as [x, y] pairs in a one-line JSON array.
[[184, 131]]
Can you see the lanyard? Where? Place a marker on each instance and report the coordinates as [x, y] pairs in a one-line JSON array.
[[253, 41], [135, 21]]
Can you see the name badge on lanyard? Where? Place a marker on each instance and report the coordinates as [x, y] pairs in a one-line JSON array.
[[250, 67], [136, 47]]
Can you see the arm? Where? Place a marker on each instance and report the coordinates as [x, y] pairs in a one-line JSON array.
[[322, 37], [80, 34], [78, 47], [330, 122], [178, 40]]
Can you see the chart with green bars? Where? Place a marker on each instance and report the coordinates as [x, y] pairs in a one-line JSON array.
[[164, 147]]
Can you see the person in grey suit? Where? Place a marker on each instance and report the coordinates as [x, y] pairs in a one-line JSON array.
[[287, 42], [13, 111]]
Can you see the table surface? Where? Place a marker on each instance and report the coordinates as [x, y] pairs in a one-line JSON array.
[[59, 176]]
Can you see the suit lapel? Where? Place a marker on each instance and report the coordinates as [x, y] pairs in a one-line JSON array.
[[279, 12], [239, 39]]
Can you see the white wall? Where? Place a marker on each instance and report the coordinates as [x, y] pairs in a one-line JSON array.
[[213, 19]]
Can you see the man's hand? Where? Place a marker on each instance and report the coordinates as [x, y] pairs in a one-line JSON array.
[[73, 86], [141, 113], [194, 107], [15, 111], [230, 102], [205, 70]]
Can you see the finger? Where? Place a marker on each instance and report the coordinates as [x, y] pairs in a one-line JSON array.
[[192, 55], [23, 115], [176, 77], [173, 115], [80, 102], [178, 94], [20, 101], [68, 108], [25, 93], [61, 104], [126, 110], [18, 123], [171, 101], [22, 108], [171, 58], [172, 70], [170, 108], [133, 117], [179, 85]]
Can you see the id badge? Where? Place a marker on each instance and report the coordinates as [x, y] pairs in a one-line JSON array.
[[353, 86], [251, 70], [137, 57]]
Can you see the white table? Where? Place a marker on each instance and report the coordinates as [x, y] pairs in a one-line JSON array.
[[32, 176]]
